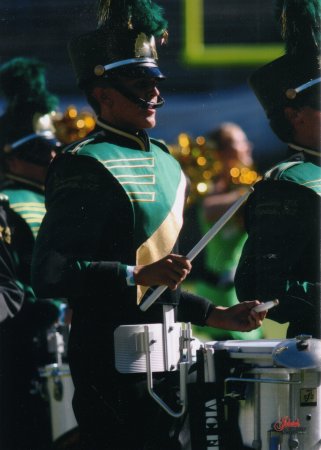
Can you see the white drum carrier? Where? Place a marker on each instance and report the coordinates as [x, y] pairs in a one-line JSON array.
[[157, 347]]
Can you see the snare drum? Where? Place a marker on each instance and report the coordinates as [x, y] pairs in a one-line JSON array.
[[277, 407], [59, 390]]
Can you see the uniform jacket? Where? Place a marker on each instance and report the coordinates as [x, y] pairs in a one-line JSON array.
[[23, 321], [11, 294], [281, 257], [92, 230], [27, 208]]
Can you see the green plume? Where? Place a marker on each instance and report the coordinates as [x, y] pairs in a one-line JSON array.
[[300, 22], [23, 84], [143, 15]]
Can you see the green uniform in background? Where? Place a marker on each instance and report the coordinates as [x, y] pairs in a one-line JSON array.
[[23, 337], [27, 209]]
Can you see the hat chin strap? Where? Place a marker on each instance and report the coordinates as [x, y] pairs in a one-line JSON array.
[[147, 105], [137, 100]]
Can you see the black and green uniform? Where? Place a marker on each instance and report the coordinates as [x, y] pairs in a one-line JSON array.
[[23, 346], [27, 209], [113, 200], [11, 300], [11, 294], [281, 257]]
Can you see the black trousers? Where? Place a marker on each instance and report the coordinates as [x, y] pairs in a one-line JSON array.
[[123, 416], [24, 414]]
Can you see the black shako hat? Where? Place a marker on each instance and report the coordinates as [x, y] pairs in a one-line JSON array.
[[124, 44], [36, 148], [281, 82], [284, 81]]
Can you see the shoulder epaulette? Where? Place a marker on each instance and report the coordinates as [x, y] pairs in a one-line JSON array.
[[78, 145], [160, 144], [75, 147], [276, 171]]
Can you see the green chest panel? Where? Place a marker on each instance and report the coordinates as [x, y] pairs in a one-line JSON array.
[[150, 180], [29, 206]]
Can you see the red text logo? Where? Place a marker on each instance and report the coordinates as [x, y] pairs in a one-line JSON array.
[[286, 422]]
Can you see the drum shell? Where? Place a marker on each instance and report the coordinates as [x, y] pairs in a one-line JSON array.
[[279, 407], [59, 390], [269, 407]]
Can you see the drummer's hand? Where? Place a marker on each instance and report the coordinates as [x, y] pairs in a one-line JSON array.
[[169, 271], [239, 317]]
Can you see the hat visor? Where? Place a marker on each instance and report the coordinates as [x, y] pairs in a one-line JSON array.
[[138, 71]]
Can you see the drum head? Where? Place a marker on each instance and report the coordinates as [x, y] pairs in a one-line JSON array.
[[68, 441], [302, 352]]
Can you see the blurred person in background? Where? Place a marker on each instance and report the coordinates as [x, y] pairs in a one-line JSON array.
[[281, 257], [27, 145], [233, 155]]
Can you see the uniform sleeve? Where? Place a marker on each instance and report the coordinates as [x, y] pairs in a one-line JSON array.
[[282, 248], [76, 231], [193, 308], [11, 294]]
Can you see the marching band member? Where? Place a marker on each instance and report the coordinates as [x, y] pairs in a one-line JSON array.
[[25, 154], [114, 212], [281, 258]]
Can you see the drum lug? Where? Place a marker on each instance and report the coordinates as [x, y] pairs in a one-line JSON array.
[[58, 391], [233, 395], [293, 443]]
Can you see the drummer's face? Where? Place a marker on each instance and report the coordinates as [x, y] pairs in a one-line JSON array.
[[306, 123], [122, 112]]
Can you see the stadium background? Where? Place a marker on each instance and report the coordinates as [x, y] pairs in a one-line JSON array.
[[213, 46]]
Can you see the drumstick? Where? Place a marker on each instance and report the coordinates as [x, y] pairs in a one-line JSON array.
[[201, 244], [266, 306]]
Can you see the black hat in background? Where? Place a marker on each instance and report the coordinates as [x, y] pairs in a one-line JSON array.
[[25, 128], [123, 43], [283, 81], [289, 79], [36, 148]]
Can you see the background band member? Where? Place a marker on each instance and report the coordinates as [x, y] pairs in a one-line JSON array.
[[281, 258], [27, 147]]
